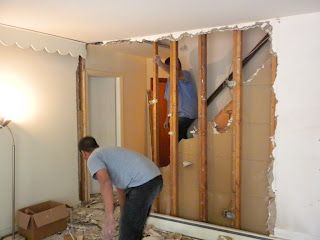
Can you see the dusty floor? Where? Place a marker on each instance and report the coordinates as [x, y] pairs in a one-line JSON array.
[[87, 221]]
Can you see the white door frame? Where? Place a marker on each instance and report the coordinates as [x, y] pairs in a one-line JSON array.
[[119, 115], [119, 100]]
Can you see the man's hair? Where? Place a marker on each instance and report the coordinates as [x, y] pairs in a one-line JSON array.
[[87, 144], [167, 62]]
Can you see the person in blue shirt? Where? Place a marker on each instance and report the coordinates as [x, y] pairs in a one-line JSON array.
[[187, 97], [137, 179]]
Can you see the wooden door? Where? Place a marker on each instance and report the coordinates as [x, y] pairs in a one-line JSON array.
[[164, 139]]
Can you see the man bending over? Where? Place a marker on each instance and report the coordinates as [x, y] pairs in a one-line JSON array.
[[138, 182]]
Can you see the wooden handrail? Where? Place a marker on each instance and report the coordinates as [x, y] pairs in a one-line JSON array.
[[253, 52]]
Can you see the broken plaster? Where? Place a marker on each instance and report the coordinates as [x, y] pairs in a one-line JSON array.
[[175, 36], [153, 101]]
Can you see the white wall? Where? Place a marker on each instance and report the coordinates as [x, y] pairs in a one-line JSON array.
[[45, 132], [297, 152]]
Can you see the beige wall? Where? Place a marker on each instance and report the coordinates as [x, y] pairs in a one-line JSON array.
[[132, 70], [45, 132]]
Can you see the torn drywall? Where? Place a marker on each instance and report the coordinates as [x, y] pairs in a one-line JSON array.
[[256, 137], [175, 36]]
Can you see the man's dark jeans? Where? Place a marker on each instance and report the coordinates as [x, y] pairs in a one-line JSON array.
[[137, 208], [184, 124]]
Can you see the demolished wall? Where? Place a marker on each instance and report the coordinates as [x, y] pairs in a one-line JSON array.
[[255, 133]]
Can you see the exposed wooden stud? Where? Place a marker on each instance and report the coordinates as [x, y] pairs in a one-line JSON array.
[[202, 119], [155, 117], [79, 126], [155, 112], [83, 128], [236, 136], [174, 130]]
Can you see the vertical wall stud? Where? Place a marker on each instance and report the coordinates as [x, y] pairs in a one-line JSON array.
[[83, 127], [155, 116], [174, 127], [236, 138], [202, 119]]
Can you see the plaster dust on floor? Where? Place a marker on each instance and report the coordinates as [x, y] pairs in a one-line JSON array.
[[86, 222]]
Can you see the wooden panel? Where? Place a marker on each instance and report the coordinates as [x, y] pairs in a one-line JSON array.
[[164, 138], [236, 142], [202, 115], [174, 127]]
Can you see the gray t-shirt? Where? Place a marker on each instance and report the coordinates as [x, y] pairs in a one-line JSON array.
[[125, 168]]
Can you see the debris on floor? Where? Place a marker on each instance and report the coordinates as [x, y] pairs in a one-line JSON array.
[[86, 222]]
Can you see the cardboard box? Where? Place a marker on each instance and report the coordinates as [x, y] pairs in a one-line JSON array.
[[42, 220]]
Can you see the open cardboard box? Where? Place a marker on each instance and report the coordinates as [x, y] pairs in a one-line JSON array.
[[42, 220]]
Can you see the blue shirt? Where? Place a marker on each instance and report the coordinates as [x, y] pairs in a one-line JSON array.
[[125, 168], [187, 98]]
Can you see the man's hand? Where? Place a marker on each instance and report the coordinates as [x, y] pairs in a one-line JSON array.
[[162, 65], [109, 228], [157, 60]]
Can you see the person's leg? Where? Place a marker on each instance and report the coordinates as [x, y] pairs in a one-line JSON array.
[[184, 124], [137, 208]]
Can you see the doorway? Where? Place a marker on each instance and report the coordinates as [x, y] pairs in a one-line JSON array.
[[104, 115], [164, 138]]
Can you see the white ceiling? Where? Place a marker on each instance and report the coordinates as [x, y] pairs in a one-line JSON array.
[[98, 20]]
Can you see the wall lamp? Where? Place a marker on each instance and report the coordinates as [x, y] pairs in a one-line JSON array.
[[4, 124]]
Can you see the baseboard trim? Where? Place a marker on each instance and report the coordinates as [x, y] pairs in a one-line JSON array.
[[201, 230], [293, 235]]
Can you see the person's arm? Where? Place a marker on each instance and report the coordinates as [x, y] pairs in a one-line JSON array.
[[107, 196], [122, 198], [162, 65]]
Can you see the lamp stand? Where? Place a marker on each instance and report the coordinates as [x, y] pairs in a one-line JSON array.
[[13, 213]]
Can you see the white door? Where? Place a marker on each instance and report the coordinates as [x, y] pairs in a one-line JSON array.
[[102, 106]]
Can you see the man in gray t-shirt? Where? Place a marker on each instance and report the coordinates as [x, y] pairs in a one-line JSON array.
[[137, 179]]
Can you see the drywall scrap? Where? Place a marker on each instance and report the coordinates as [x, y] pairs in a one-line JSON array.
[[87, 222]]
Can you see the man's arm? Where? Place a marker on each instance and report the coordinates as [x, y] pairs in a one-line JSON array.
[[107, 196], [166, 68], [122, 198], [106, 191], [163, 66]]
